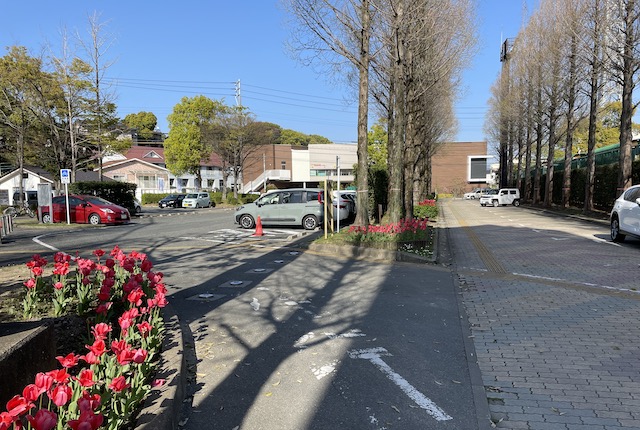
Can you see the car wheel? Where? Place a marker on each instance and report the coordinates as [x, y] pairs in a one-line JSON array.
[[246, 221], [516, 202], [46, 218], [616, 236], [495, 204], [310, 222], [94, 219]]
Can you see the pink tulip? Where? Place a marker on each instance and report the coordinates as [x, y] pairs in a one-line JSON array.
[[61, 395]]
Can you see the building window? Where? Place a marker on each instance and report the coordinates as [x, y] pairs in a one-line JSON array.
[[283, 165], [146, 181], [477, 168]]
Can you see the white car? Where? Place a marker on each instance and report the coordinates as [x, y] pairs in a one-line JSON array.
[[503, 197], [475, 194], [625, 215], [196, 200], [345, 206]]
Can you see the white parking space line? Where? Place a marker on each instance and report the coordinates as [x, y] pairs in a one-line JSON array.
[[373, 355]]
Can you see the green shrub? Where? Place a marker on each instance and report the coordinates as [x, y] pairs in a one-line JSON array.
[[425, 211], [152, 198], [216, 197], [232, 200], [248, 198]]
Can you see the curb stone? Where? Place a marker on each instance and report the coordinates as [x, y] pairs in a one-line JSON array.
[[161, 409]]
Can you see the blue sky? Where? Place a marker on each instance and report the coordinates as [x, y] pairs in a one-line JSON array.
[[169, 50]]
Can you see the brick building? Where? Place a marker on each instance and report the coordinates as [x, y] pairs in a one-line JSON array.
[[459, 167]]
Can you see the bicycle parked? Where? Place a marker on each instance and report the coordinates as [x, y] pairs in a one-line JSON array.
[[14, 211]]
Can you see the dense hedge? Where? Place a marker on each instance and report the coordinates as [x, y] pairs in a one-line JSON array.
[[605, 190], [120, 193]]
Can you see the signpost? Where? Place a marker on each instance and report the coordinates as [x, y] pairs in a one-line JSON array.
[[65, 178]]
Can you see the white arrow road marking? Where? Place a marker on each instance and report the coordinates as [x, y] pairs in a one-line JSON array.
[[373, 355]]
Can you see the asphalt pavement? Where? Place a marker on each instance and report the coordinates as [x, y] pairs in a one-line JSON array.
[[528, 322]]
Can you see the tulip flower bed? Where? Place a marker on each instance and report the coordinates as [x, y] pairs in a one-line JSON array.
[[102, 387], [410, 235]]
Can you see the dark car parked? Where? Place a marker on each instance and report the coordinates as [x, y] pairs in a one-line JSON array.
[[172, 201]]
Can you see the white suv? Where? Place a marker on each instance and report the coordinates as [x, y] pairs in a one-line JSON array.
[[625, 215], [505, 196]]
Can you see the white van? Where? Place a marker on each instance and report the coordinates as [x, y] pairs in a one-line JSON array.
[[505, 196]]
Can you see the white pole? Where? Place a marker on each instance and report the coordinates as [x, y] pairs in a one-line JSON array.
[[66, 197], [338, 193]]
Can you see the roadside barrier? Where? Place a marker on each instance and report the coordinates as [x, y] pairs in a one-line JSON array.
[[6, 226]]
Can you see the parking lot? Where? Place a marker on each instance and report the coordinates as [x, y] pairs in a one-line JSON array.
[[553, 305]]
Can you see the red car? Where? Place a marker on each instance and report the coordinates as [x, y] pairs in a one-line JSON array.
[[86, 209]]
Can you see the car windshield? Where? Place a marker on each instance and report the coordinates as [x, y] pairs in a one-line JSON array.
[[98, 201], [171, 196], [191, 196]]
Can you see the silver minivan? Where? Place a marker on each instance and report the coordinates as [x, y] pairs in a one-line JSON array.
[[196, 200], [295, 206]]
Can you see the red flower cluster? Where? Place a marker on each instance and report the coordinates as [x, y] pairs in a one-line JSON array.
[[407, 225], [427, 202], [114, 365]]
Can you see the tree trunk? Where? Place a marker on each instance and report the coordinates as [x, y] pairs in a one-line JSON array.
[[397, 135], [362, 196], [628, 71]]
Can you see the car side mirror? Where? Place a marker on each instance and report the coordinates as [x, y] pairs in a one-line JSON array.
[[638, 201]]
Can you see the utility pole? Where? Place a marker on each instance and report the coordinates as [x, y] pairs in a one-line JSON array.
[[238, 95], [505, 83]]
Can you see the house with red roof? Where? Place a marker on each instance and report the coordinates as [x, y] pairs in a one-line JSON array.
[[145, 166]]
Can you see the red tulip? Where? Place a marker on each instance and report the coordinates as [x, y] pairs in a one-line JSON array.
[[140, 355], [43, 381], [88, 402], [90, 358], [98, 347], [60, 376], [18, 405], [31, 392], [71, 360], [118, 384], [85, 378], [135, 296], [146, 265], [6, 420], [61, 395], [44, 420], [100, 331], [144, 328], [87, 421], [125, 356], [119, 345]]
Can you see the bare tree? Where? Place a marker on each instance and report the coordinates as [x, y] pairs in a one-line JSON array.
[[424, 47], [102, 109], [335, 32], [624, 56], [594, 46], [73, 76]]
